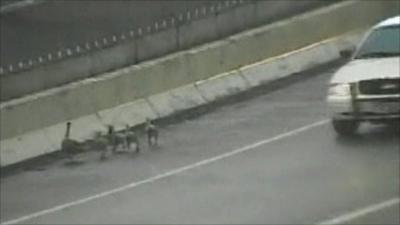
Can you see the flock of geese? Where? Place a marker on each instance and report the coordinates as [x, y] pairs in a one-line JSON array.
[[107, 143]]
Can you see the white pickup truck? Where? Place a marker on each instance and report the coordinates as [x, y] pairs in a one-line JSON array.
[[367, 88]]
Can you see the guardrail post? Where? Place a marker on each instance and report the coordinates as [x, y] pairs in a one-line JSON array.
[[135, 50], [123, 37], [156, 26], [69, 52]]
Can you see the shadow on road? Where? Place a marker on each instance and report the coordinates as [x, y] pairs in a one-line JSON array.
[[372, 136]]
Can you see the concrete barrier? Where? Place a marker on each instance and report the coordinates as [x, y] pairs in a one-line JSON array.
[[161, 104], [156, 44], [223, 85], [167, 85], [260, 73], [82, 129], [66, 70], [176, 100], [132, 114], [199, 31], [113, 51], [243, 17]]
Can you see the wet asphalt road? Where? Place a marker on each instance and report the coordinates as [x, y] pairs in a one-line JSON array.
[[304, 177]]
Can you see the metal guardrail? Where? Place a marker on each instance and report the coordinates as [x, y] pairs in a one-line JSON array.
[[116, 39]]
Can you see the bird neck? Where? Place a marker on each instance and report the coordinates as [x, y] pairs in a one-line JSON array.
[[67, 132]]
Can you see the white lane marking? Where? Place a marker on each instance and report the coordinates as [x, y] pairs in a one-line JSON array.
[[361, 212], [167, 174]]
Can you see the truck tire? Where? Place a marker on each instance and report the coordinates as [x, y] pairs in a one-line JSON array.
[[345, 127]]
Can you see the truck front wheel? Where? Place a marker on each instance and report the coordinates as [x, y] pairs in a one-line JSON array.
[[345, 127]]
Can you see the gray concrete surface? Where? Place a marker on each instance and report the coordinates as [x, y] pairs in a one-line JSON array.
[[109, 96], [73, 35], [241, 49], [303, 178], [64, 24]]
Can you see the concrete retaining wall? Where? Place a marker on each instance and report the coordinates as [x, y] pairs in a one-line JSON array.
[[35, 125], [113, 51]]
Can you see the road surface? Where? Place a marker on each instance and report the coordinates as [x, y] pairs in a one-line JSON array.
[[270, 157]]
